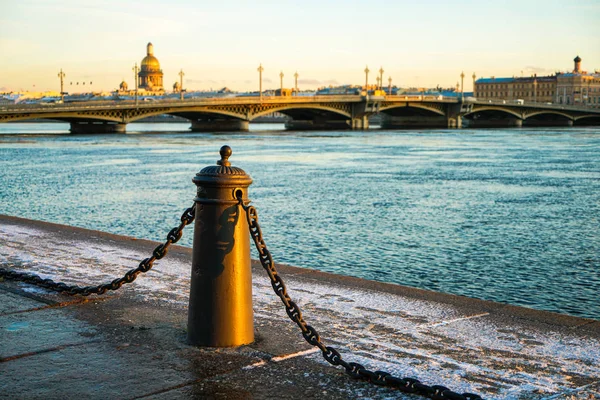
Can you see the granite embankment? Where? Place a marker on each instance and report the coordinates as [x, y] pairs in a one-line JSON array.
[[131, 343]]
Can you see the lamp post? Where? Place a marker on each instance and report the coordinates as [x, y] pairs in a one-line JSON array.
[[457, 86], [296, 81], [135, 79], [381, 71], [390, 86], [535, 84], [462, 85], [62, 75], [378, 82], [181, 74], [367, 79], [260, 71], [281, 83], [474, 77]]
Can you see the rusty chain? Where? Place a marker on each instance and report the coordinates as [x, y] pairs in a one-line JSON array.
[[330, 354], [145, 265]]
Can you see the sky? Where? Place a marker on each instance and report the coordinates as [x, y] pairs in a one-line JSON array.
[[328, 42]]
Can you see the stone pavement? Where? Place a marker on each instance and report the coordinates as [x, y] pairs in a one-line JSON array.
[[131, 343]]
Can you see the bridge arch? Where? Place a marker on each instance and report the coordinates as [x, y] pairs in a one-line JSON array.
[[480, 110], [492, 117], [309, 116], [412, 115], [193, 113], [548, 112], [290, 108], [548, 118], [410, 107], [66, 117], [80, 122], [588, 120]]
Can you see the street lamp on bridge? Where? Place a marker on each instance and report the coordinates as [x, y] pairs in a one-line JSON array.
[[181, 74], [62, 75], [135, 79], [535, 84], [381, 71], [462, 85], [260, 71], [390, 86], [296, 82], [474, 77], [378, 82], [281, 83], [367, 79]]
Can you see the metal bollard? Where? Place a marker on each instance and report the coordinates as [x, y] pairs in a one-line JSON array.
[[220, 310]]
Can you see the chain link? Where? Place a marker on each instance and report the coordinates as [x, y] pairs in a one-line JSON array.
[[330, 354], [145, 265]]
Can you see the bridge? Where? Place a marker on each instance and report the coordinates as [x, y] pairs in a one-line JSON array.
[[307, 112]]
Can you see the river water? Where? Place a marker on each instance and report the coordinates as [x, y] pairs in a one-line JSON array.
[[505, 215]]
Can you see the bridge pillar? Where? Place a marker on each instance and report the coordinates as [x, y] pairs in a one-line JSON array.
[[454, 113], [360, 123], [87, 127], [220, 125], [455, 122]]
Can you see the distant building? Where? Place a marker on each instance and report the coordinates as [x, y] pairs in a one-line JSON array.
[[534, 88], [578, 87], [574, 88], [150, 75]]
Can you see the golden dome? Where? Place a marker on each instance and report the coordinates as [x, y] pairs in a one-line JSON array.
[[150, 63], [150, 75]]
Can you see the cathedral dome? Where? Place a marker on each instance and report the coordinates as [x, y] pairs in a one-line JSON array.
[[150, 63], [150, 75]]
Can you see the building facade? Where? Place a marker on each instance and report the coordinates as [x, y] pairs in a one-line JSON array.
[[573, 88], [150, 77]]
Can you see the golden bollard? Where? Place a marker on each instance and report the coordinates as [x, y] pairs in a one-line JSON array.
[[220, 310]]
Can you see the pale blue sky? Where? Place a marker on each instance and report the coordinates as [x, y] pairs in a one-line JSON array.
[[221, 43]]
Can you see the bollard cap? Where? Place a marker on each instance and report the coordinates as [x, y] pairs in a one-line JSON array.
[[222, 174]]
